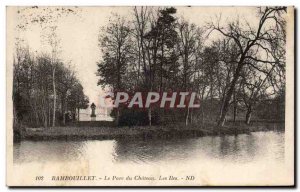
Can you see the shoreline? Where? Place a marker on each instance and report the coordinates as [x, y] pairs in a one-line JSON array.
[[141, 132]]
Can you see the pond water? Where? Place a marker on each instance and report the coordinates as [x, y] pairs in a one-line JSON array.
[[242, 152], [240, 148]]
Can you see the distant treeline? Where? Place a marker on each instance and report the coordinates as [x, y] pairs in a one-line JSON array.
[[239, 74], [46, 92]]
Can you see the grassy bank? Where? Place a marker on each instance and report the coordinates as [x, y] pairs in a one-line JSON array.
[[144, 132]]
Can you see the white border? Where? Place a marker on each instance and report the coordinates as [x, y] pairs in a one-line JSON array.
[[4, 3]]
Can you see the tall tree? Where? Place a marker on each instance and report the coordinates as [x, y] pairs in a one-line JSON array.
[[163, 38], [189, 40], [250, 40], [115, 43]]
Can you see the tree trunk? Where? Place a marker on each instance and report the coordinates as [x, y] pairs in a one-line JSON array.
[[78, 114], [234, 107], [234, 113], [45, 117], [191, 116], [49, 113], [221, 109], [54, 97], [187, 116], [161, 64], [139, 63], [118, 116], [15, 115], [230, 93], [248, 115], [150, 116], [36, 115], [44, 112], [63, 110], [202, 114]]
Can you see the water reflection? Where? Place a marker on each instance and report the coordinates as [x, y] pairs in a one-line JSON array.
[[255, 147], [239, 148], [29, 151]]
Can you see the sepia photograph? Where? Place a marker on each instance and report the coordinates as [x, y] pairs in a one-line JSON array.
[[150, 96]]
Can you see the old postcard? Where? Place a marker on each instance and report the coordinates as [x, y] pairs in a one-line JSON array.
[[150, 96]]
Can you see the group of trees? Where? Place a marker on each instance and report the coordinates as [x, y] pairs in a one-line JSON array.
[[35, 102], [46, 90], [153, 50]]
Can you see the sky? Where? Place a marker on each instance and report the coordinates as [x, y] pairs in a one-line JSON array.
[[78, 34]]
